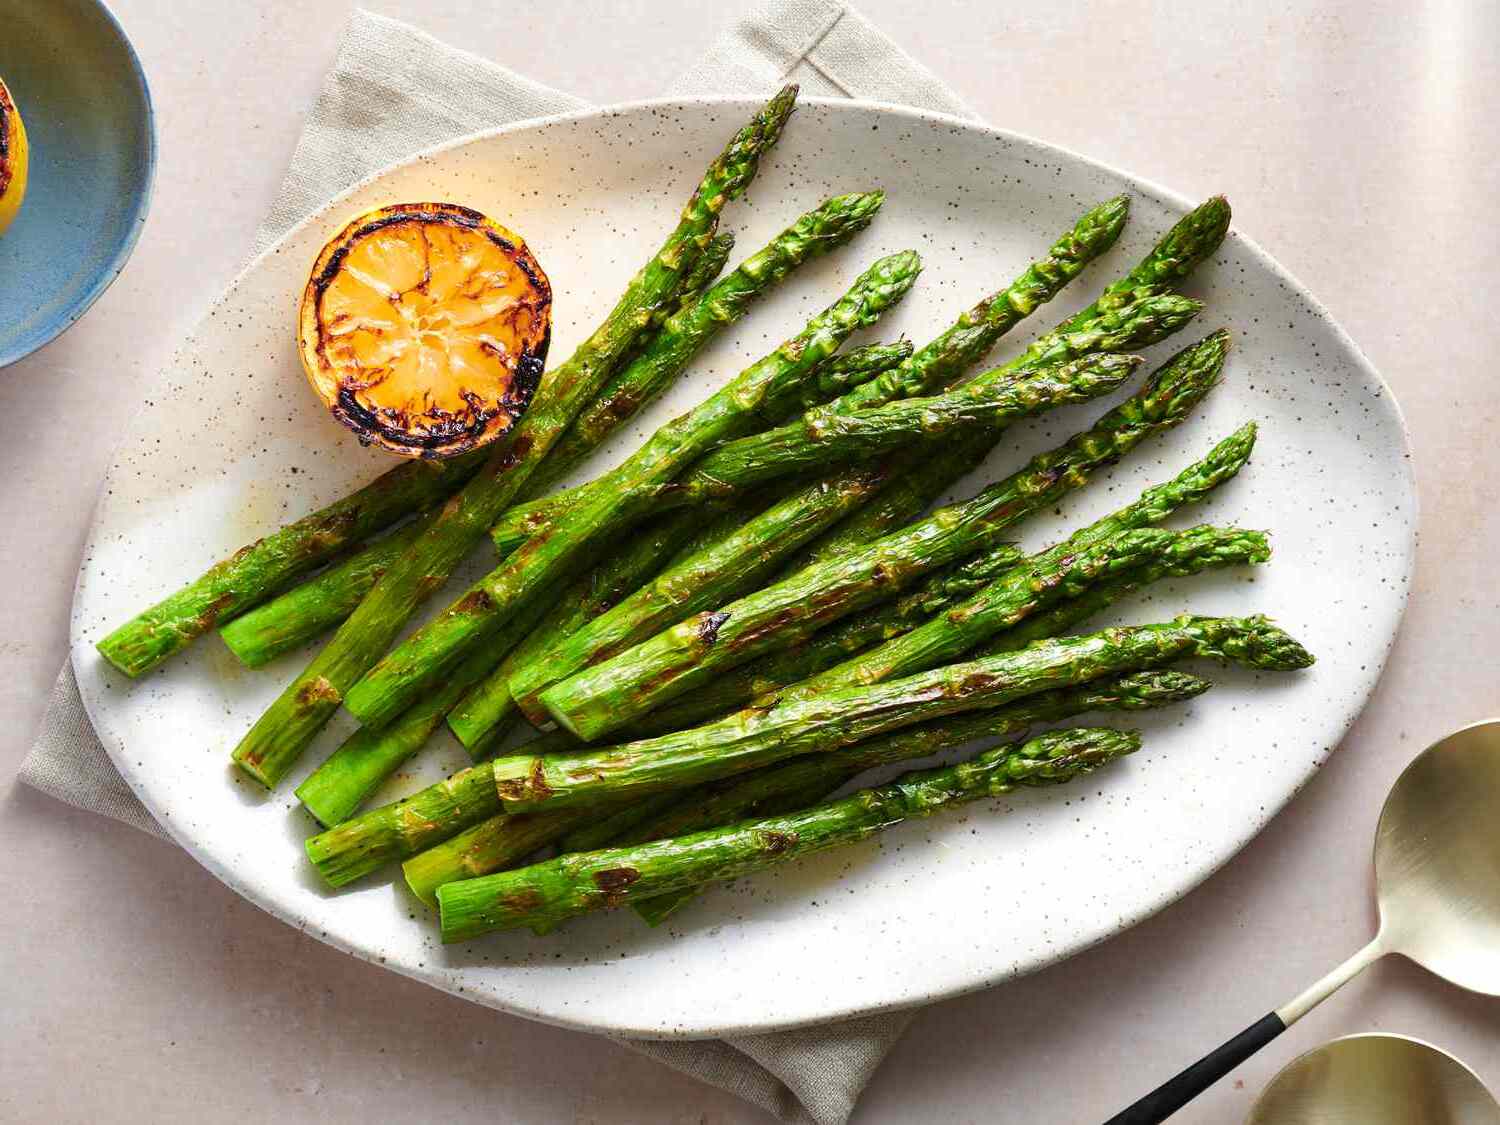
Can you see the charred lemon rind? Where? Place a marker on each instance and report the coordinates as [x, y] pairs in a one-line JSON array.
[[13, 158], [395, 337]]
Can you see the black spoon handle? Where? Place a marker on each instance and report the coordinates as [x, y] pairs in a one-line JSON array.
[[1175, 1093]]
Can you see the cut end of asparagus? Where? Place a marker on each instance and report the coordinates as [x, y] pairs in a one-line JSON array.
[[326, 803], [249, 655], [254, 770], [338, 865], [116, 649], [419, 881]]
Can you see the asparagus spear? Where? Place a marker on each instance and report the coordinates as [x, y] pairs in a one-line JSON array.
[[1053, 576], [544, 894], [765, 675], [254, 573], [930, 470], [501, 840], [824, 437], [309, 609], [478, 717], [617, 691], [1063, 617], [370, 841], [497, 842], [946, 357], [1119, 543], [842, 717], [341, 784], [833, 435], [739, 564], [275, 742], [805, 781], [306, 611], [621, 497]]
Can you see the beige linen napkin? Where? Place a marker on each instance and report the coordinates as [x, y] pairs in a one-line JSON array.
[[393, 91]]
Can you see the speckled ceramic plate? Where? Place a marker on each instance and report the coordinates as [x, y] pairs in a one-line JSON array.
[[232, 444]]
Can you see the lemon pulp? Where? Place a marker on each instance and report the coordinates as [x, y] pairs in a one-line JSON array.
[[425, 327]]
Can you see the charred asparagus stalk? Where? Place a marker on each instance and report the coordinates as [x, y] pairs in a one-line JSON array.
[[544, 894], [266, 567], [805, 781], [843, 717], [929, 471], [612, 694], [500, 840], [308, 610], [764, 542], [621, 497], [276, 741], [766, 675]]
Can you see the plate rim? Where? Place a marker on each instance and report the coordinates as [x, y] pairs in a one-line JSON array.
[[911, 997], [30, 344]]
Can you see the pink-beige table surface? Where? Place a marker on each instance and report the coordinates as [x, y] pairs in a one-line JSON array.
[[1357, 143]]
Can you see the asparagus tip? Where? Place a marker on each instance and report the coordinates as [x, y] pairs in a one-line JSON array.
[[1260, 643], [1147, 690]]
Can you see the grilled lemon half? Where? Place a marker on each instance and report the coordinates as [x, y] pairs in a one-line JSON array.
[[424, 328], [12, 158]]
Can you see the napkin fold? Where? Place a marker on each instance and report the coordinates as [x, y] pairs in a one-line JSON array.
[[394, 91]]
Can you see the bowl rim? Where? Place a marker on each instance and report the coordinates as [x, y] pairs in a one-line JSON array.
[[27, 343]]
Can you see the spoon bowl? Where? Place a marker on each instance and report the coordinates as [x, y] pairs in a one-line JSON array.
[[1375, 1080], [1437, 860]]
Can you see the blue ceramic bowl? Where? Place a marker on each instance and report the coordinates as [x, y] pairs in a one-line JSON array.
[[87, 111]]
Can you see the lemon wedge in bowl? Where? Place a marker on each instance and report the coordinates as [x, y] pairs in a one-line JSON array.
[[12, 158], [424, 328]]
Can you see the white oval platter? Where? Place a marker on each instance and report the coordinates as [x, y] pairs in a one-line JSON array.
[[231, 444]]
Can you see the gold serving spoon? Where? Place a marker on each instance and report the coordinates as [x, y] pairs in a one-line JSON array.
[[1437, 880], [1375, 1080]]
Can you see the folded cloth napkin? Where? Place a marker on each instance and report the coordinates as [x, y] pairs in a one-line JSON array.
[[394, 91]]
